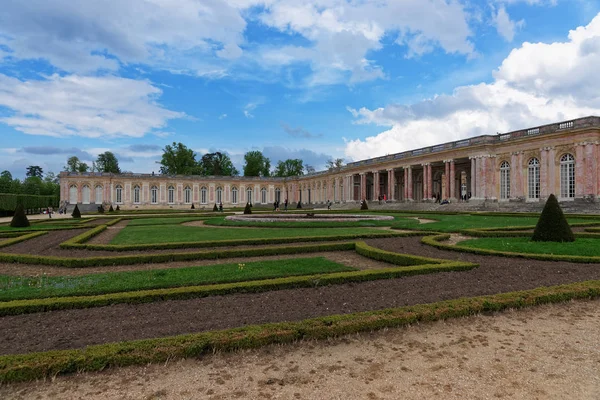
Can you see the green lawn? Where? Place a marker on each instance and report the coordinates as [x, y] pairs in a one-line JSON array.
[[221, 221], [17, 288], [453, 223], [178, 233], [580, 247], [162, 221]]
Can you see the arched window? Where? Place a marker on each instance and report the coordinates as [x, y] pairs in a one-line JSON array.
[[171, 193], [504, 180], [219, 195], [119, 194], [154, 195], [567, 176], [278, 195], [203, 195], [263, 196], [249, 196], [234, 195], [533, 179], [99, 196], [73, 194], [136, 194], [187, 194], [85, 194]]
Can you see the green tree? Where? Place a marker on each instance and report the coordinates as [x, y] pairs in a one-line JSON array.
[[107, 162], [32, 185], [5, 182], [51, 186], [217, 164], [75, 165], [310, 169], [256, 164], [34, 170], [289, 167], [177, 159], [335, 164]]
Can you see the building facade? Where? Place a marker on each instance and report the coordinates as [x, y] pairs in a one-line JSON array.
[[526, 165]]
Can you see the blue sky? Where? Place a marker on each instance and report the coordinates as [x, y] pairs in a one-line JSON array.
[[295, 79]]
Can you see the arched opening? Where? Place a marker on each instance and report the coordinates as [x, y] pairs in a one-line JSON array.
[[505, 180], [73, 194], [567, 176], [533, 179]]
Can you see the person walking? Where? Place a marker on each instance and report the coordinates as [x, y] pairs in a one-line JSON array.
[[285, 205]]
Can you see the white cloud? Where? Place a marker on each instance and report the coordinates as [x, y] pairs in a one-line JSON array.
[[222, 116], [504, 25], [83, 106], [536, 84]]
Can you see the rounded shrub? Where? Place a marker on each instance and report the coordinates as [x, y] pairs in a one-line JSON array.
[[76, 212], [19, 220], [247, 209], [552, 225]]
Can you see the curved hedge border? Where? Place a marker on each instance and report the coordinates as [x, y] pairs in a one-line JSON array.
[[189, 292], [21, 238], [71, 262], [72, 244], [436, 240], [27, 367]]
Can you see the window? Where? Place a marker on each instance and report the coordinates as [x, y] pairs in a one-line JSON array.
[[136, 194], [154, 195], [171, 195], [504, 180], [324, 191], [533, 179], [187, 194], [119, 194], [203, 195], [73, 194], [219, 195], [249, 196], [567, 176], [85, 194], [234, 195], [278, 195], [263, 196], [99, 197]]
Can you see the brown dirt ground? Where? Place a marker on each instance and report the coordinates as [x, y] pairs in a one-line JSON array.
[[546, 352]]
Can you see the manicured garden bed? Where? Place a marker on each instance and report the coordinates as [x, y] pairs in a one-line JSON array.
[[580, 247]]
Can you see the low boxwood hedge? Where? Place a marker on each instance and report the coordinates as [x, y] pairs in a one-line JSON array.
[[27, 367], [21, 238]]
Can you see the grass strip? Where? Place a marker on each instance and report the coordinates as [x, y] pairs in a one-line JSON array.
[[437, 241], [21, 238], [587, 247], [258, 286], [27, 367], [72, 262], [21, 288]]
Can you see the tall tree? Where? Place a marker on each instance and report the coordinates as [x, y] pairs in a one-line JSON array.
[[218, 164], [335, 164], [289, 167], [256, 164], [5, 181], [32, 185], [107, 162], [75, 165], [177, 159], [310, 169], [34, 170]]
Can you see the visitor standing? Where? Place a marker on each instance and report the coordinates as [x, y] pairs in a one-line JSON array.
[[285, 205]]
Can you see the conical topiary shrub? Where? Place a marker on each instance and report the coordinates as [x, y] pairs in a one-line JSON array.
[[118, 208], [552, 225], [299, 205], [101, 209], [247, 209], [215, 208], [19, 219], [363, 205], [76, 213], [111, 209], [193, 206]]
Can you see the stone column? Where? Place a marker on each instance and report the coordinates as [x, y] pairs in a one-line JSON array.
[[473, 176], [363, 186], [391, 188], [452, 180], [410, 184], [544, 167], [579, 170], [484, 178], [425, 184], [590, 168], [405, 183], [375, 185], [446, 187]]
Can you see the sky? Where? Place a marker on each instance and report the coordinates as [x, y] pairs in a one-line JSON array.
[[315, 80]]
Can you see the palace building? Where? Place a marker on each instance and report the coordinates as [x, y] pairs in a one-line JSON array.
[[526, 165]]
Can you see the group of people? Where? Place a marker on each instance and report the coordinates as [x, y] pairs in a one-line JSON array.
[[382, 197], [276, 205]]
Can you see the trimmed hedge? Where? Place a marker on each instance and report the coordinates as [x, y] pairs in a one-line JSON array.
[[9, 201], [168, 257], [436, 240], [27, 367], [21, 238], [17, 307], [84, 237], [394, 258]]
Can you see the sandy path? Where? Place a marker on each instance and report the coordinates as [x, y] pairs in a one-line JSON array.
[[547, 352]]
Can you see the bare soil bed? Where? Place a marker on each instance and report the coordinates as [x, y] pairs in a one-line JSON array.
[[79, 328], [546, 352]]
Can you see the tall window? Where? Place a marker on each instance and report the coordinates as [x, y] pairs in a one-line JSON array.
[[533, 179], [136, 194], [73, 194], [567, 176], [249, 196], [119, 194], [504, 180], [263, 196], [85, 194], [234, 195], [219, 195], [154, 195], [203, 195], [171, 195], [187, 194], [278, 194], [99, 197]]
